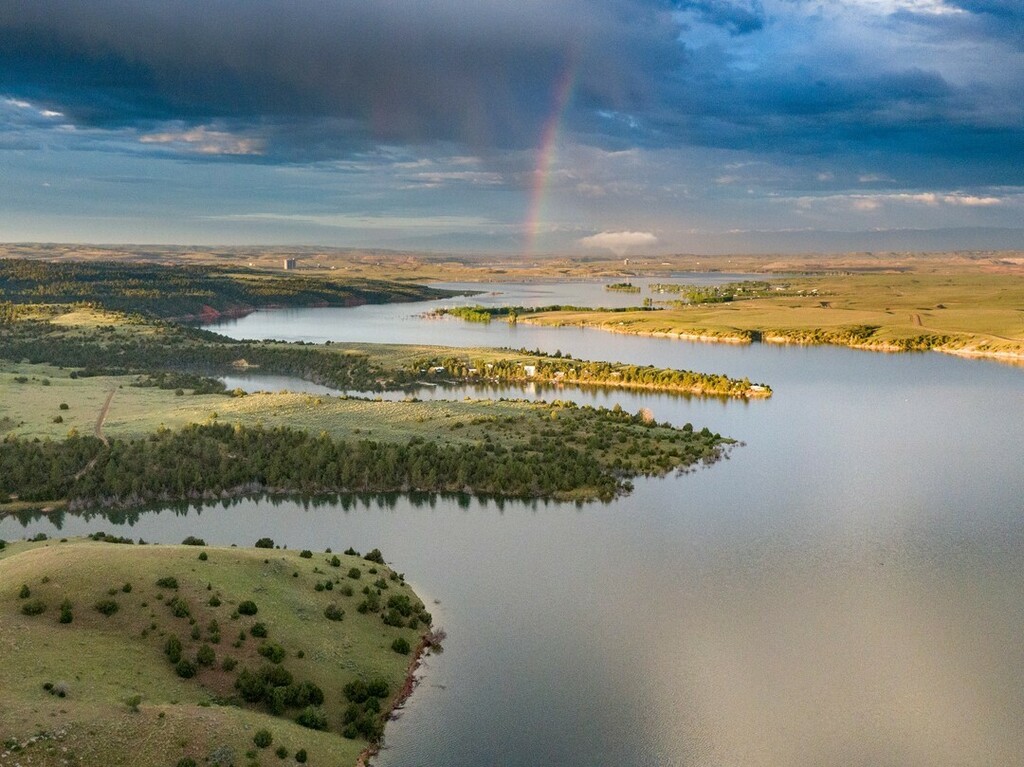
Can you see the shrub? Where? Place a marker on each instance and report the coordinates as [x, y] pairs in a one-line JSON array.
[[306, 554], [282, 752], [333, 613], [25, 592], [401, 646], [259, 630], [127, 588], [265, 543], [179, 607], [262, 738], [319, 586], [214, 601], [346, 590], [401, 603], [272, 652], [355, 573], [203, 556], [248, 607], [168, 582], [187, 761], [133, 703], [301, 756], [260, 686], [393, 618], [377, 688], [172, 649], [312, 717], [206, 656], [351, 552], [185, 668], [355, 691], [329, 585], [65, 612], [58, 419], [62, 406], [34, 607], [375, 556], [304, 694], [193, 541], [228, 664], [335, 562], [107, 607], [370, 604]]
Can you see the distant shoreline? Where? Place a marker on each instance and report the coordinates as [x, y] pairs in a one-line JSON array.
[[779, 338]]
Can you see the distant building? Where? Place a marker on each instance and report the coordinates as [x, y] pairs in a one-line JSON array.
[[530, 370], [289, 264]]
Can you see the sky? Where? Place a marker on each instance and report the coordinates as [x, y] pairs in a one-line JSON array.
[[527, 127]]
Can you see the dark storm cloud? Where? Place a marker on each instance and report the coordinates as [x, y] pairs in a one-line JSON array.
[[270, 80], [738, 17], [478, 72]]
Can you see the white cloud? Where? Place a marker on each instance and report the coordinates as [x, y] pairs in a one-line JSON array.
[[971, 201], [203, 140], [22, 104], [866, 204], [619, 242]]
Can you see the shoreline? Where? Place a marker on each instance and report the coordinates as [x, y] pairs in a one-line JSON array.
[[404, 693], [768, 337]]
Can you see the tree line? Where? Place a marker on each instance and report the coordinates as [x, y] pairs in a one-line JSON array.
[[181, 291], [222, 460]]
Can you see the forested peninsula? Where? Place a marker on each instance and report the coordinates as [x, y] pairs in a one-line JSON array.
[[103, 408], [189, 293]]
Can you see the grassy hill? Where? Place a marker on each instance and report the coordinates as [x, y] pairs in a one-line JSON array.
[[87, 679]]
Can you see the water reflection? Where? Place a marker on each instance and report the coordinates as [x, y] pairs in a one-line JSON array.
[[845, 589]]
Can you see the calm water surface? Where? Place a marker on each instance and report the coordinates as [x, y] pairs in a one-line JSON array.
[[846, 589]]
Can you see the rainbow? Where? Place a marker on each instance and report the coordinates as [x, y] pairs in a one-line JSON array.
[[546, 155]]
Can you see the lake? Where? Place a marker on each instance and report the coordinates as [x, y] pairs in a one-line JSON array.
[[846, 588]]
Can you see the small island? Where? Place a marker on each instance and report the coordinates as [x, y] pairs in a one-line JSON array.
[[622, 287], [177, 656]]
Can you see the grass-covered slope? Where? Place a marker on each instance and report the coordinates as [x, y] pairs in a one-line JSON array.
[[975, 314], [88, 683]]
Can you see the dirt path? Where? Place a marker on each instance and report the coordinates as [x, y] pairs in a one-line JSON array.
[[98, 431]]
